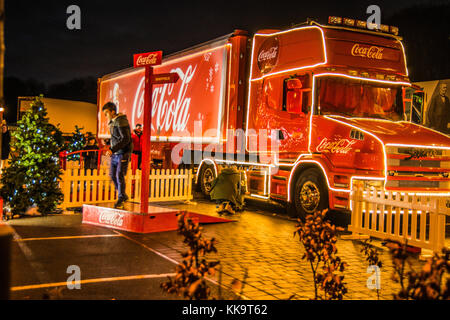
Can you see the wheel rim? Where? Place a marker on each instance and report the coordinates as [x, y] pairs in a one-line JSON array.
[[208, 178], [310, 197]]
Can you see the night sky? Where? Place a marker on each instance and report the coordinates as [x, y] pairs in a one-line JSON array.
[[39, 46]]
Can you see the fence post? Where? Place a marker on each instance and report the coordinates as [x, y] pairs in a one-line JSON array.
[[439, 226], [128, 182], [356, 214]]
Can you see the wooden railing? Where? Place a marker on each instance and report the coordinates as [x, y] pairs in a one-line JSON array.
[[86, 186], [417, 219]]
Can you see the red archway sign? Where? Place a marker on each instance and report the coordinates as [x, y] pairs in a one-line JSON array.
[[148, 60]]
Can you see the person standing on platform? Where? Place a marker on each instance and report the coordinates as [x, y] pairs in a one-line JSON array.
[[120, 149], [137, 143]]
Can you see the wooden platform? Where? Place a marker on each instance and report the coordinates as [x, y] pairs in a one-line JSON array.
[[158, 219]]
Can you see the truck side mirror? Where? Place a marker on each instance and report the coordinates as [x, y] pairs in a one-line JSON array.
[[294, 96]]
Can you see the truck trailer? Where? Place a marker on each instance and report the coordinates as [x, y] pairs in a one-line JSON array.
[[305, 113]]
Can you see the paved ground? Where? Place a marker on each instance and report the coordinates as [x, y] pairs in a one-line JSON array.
[[112, 265], [121, 265]]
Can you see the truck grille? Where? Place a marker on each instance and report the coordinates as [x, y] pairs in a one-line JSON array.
[[418, 169]]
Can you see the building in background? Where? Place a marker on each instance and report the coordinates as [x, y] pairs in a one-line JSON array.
[[66, 113]]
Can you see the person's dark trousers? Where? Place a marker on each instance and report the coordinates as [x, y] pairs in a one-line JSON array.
[[139, 154], [117, 171]]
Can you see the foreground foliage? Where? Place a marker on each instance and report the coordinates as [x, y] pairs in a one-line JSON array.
[[318, 236], [190, 279], [426, 284]]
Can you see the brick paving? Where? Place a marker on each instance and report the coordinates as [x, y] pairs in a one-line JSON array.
[[262, 242]]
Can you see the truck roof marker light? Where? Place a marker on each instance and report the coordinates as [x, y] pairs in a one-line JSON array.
[[361, 24], [393, 30], [349, 22], [384, 28], [334, 20]]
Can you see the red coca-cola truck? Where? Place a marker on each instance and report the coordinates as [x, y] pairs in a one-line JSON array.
[[304, 113]]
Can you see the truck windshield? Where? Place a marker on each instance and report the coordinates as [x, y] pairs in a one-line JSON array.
[[359, 99]]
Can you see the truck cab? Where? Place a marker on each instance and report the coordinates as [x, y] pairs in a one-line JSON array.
[[335, 96]]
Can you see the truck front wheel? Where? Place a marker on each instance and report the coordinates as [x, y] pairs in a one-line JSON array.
[[206, 178], [310, 193]]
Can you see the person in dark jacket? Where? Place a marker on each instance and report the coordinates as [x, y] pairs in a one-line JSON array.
[[6, 140], [137, 143], [120, 149], [90, 157]]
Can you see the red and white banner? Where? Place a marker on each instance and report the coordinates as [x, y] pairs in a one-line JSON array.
[[198, 95]]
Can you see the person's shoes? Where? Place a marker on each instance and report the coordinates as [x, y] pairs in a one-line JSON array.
[[119, 204], [125, 198]]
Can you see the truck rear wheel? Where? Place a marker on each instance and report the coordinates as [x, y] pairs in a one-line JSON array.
[[205, 178], [310, 193]]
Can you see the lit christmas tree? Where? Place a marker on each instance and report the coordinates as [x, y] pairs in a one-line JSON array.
[[34, 172], [76, 143]]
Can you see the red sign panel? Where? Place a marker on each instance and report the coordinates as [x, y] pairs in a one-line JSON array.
[[165, 78], [147, 59], [199, 95]]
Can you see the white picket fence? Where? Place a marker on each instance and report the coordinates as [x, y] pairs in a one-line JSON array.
[[418, 219], [85, 186]]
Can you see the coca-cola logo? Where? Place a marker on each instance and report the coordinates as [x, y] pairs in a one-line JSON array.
[[171, 108], [147, 59], [111, 218], [336, 146], [268, 54], [370, 52]]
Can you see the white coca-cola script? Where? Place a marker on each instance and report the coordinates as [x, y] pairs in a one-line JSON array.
[[111, 218], [265, 55], [170, 107], [337, 146], [147, 60]]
